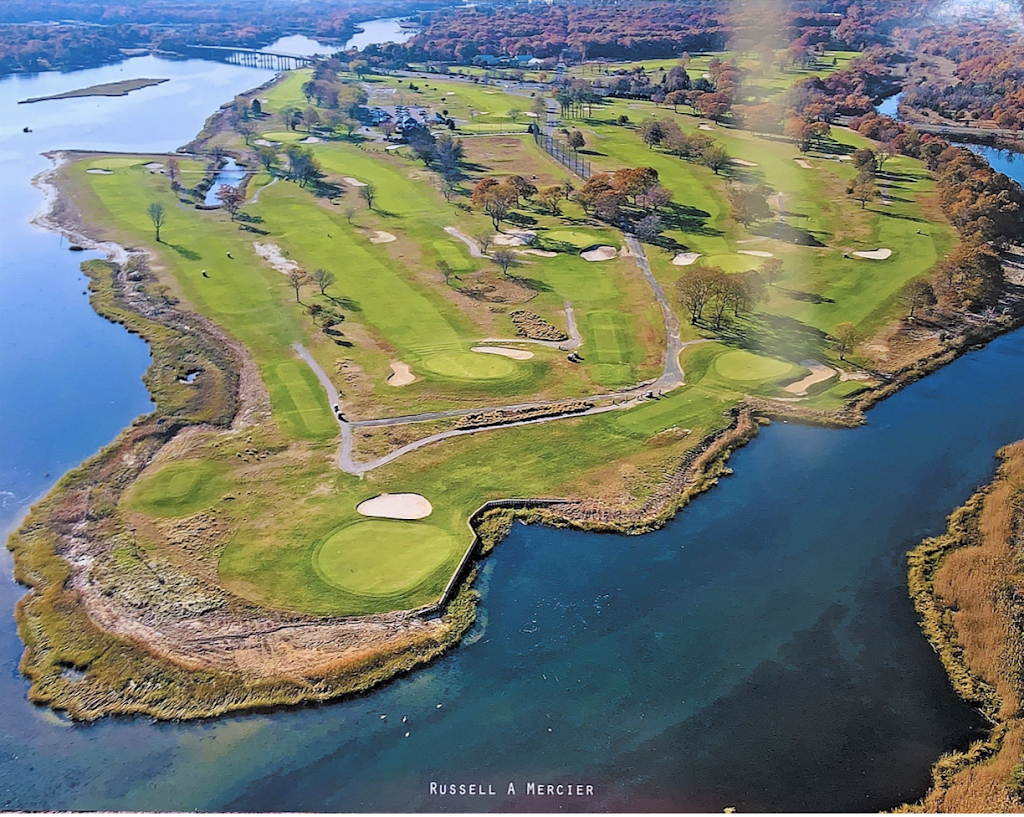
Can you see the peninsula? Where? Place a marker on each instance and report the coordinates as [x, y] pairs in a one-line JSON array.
[[120, 88]]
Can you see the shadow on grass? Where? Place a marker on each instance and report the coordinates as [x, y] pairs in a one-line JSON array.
[[184, 252], [787, 233], [345, 303], [687, 219], [774, 335], [810, 297]]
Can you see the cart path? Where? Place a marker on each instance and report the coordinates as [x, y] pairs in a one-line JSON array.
[[671, 378]]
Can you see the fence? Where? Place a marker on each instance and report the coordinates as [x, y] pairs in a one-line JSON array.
[[563, 154]]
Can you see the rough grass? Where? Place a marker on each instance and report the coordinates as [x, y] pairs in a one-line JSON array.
[[180, 488]]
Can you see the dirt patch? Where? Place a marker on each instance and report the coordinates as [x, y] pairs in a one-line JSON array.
[[744, 163], [803, 163], [396, 506], [603, 253], [401, 374], [504, 351]]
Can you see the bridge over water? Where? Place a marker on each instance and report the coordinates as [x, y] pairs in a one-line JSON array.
[[249, 56]]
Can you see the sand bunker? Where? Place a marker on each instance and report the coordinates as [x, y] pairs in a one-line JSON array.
[[394, 147], [744, 163], [531, 114], [396, 506], [154, 166], [755, 253], [381, 237], [603, 253], [514, 238], [401, 374], [541, 253], [355, 182], [263, 143], [803, 163], [309, 140], [684, 259], [99, 171], [875, 255], [515, 354], [819, 374], [702, 126], [272, 254]]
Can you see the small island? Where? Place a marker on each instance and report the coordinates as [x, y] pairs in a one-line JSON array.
[[120, 88]]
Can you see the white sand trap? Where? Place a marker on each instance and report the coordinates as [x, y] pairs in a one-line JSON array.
[[394, 147], [702, 126], [603, 253], [541, 253], [100, 171], [875, 255], [381, 237], [154, 166], [396, 506], [804, 164], [531, 114], [401, 374], [744, 163], [515, 354], [309, 140], [819, 374], [272, 254], [355, 182], [514, 238], [263, 143], [756, 253], [684, 259]]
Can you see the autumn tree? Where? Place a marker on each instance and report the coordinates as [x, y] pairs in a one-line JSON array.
[[919, 294], [697, 288], [232, 199], [771, 270], [716, 158], [844, 337]]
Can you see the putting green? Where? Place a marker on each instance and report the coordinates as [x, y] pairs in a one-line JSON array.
[[573, 237], [469, 366], [284, 136], [112, 162], [180, 488], [381, 557], [733, 263], [740, 365]]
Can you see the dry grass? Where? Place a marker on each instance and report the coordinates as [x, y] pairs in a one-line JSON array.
[[969, 587]]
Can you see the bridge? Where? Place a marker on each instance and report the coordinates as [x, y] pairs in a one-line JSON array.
[[249, 56]]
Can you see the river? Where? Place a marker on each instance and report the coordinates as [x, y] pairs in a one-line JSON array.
[[759, 652]]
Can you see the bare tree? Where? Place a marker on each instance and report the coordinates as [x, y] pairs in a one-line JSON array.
[[506, 259], [350, 213], [484, 240], [297, 278], [158, 216], [844, 338], [368, 193], [323, 279]]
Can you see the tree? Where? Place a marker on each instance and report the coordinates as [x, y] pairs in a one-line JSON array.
[[771, 270], [290, 115], [350, 213], [864, 160], [173, 171], [697, 288], [649, 228], [863, 189], [323, 279], [844, 338], [368, 192], [749, 204], [652, 132], [675, 99], [539, 107], [514, 114], [918, 295], [315, 311], [232, 198], [506, 259], [267, 156], [158, 216], [715, 157], [497, 202], [484, 240], [447, 271], [576, 140], [522, 187], [297, 278], [550, 198], [568, 188]]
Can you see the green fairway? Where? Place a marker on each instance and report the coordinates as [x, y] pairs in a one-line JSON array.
[[740, 365], [384, 557], [180, 488], [575, 237], [469, 365], [300, 400]]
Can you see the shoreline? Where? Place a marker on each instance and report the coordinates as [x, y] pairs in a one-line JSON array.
[[250, 625]]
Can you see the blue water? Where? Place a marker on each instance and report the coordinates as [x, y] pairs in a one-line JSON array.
[[229, 175], [890, 105], [759, 652]]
